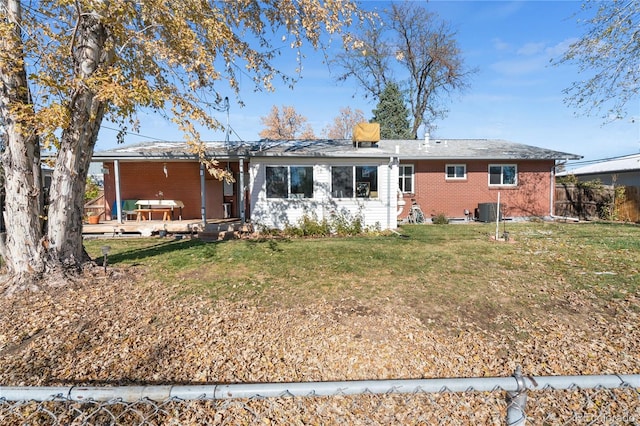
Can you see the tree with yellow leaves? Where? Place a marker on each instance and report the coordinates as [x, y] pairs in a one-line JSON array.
[[65, 66], [343, 125], [285, 125]]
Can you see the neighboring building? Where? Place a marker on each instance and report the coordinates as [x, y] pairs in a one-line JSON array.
[[278, 182], [622, 171]]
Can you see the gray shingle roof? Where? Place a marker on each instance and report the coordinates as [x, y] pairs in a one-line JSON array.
[[450, 149]]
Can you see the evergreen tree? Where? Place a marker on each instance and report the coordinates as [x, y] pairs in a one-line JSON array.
[[414, 47], [392, 113]]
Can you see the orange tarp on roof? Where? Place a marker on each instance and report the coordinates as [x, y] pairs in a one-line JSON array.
[[366, 132]]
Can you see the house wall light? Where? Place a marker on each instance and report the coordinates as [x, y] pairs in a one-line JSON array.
[[165, 170]]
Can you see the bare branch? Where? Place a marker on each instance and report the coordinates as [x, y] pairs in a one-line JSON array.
[[430, 61], [608, 56]]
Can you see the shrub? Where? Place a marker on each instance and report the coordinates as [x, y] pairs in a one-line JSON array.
[[338, 224], [92, 189], [343, 225], [567, 180], [439, 219], [308, 226], [266, 231]]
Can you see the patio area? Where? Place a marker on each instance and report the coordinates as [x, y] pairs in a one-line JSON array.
[[215, 229]]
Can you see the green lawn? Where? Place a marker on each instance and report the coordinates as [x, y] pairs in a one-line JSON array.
[[443, 272]]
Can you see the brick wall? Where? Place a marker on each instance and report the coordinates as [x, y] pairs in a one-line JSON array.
[[144, 180], [436, 195]]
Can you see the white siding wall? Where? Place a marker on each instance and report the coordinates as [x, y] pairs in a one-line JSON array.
[[278, 213]]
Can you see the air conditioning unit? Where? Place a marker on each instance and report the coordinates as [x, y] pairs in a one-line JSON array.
[[488, 212]]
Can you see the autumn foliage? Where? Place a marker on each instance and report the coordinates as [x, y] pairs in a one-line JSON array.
[[343, 125], [67, 65], [285, 124]]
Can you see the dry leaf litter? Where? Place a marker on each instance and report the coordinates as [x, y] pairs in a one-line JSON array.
[[116, 331]]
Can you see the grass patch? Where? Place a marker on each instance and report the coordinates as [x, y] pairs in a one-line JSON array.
[[440, 272]]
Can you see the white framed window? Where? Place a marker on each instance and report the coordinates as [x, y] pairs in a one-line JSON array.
[[455, 171], [503, 174], [289, 181], [354, 181], [405, 178]]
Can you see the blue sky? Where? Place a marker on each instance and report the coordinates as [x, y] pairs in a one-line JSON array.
[[516, 94]]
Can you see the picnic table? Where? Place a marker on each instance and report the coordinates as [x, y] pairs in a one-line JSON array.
[[166, 207]]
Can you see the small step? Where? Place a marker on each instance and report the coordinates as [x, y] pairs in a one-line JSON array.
[[219, 236], [225, 231]]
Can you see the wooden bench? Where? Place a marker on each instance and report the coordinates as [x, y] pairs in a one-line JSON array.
[[166, 214]]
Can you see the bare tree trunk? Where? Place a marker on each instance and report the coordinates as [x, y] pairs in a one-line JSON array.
[[32, 256], [76, 148], [22, 245], [68, 183]]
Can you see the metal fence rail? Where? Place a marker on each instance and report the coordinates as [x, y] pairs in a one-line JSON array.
[[515, 400]]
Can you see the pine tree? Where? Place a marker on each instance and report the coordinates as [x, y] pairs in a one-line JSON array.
[[392, 113], [417, 49]]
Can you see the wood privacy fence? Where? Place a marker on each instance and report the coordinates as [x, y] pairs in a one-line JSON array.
[[628, 206], [597, 201]]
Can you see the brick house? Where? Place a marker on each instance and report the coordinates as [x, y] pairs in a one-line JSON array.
[[277, 182]]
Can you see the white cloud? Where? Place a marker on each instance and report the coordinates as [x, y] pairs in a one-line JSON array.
[[503, 10], [515, 67], [531, 57], [531, 49], [500, 45], [560, 48]]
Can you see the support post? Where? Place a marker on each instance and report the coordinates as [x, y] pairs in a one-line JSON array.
[[241, 193], [203, 198], [116, 172], [517, 401], [498, 216]]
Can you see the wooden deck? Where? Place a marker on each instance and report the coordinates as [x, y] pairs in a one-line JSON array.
[[215, 229]]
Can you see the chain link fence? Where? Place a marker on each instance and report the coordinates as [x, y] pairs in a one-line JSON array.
[[516, 400]]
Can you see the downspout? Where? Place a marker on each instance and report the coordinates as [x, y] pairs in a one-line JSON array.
[[203, 198], [116, 172], [400, 203], [389, 192], [241, 191], [552, 196], [552, 192]]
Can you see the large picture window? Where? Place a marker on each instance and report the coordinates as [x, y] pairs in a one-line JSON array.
[[503, 175], [342, 182], [277, 182], [301, 182], [405, 178], [289, 181], [354, 181], [456, 171]]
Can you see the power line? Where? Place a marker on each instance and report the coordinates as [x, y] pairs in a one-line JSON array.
[[131, 133], [155, 139], [587, 162]]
